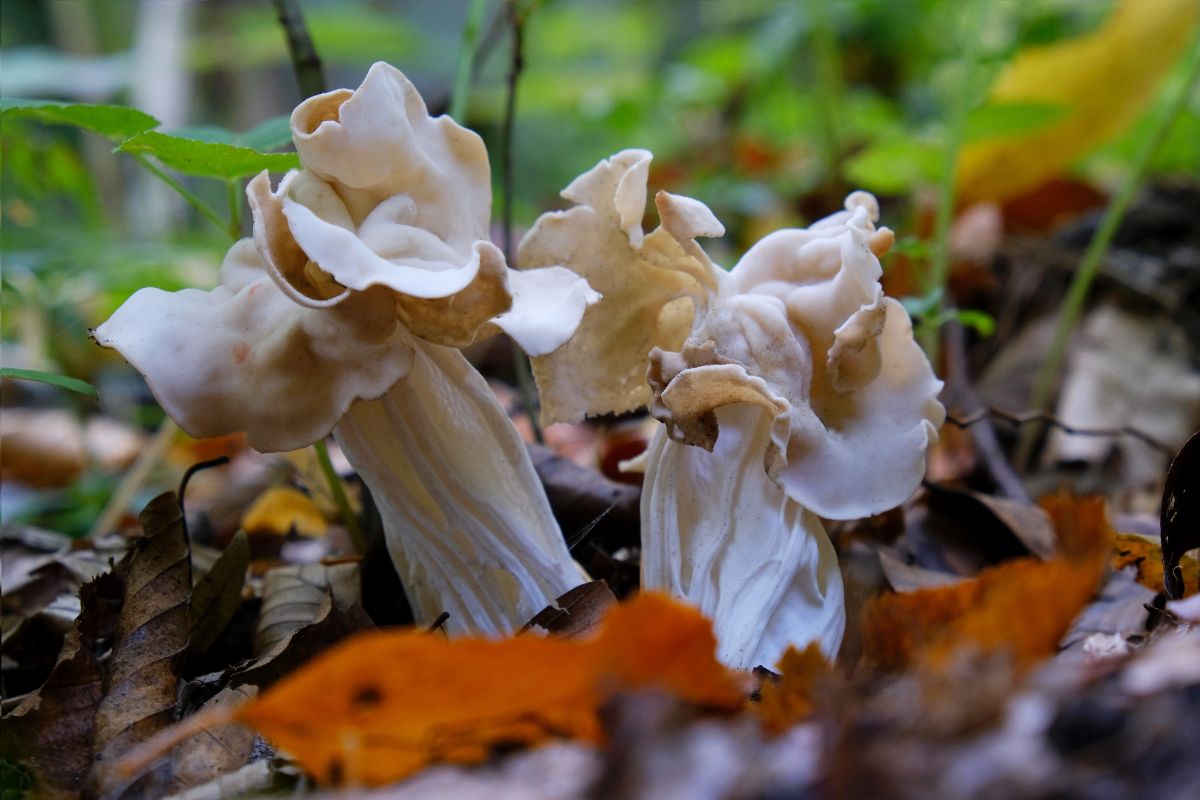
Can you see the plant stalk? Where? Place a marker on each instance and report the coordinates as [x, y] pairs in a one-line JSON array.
[[305, 62], [466, 56], [194, 201], [338, 490]]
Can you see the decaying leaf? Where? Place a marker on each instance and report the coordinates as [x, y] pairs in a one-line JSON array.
[[1145, 555], [293, 597], [1021, 606], [1103, 79], [280, 510], [219, 593], [219, 751], [52, 728], [382, 705], [577, 612], [788, 700], [141, 687]]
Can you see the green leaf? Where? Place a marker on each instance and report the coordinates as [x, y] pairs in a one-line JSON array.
[[995, 120], [921, 306], [115, 122], [981, 322], [61, 381], [270, 135], [207, 159], [894, 165]]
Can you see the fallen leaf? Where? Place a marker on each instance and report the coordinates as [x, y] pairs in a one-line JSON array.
[[1023, 606], [219, 593], [279, 511], [1146, 557], [222, 750], [141, 687], [383, 705], [1103, 79], [577, 612], [42, 447], [788, 700], [294, 596]]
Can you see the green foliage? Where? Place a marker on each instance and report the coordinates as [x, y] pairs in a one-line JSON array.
[[995, 120], [115, 122], [61, 381], [207, 159]]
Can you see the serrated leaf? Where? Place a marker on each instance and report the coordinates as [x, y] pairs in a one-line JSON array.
[[61, 381], [207, 159], [115, 122], [270, 135]]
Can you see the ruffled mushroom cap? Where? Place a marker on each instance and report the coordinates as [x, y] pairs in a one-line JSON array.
[[808, 336], [382, 235]]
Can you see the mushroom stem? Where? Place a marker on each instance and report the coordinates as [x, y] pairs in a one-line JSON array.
[[465, 517], [720, 533]]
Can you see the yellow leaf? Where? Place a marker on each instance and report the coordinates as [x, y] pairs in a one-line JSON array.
[[1104, 79], [278, 510], [384, 704], [1145, 555]]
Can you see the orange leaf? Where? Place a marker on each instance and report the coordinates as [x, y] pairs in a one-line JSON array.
[[278, 510], [1145, 555], [1023, 606], [384, 704], [790, 699]]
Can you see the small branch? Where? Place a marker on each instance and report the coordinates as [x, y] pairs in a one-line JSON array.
[[234, 199], [305, 62], [338, 490], [516, 19], [1046, 418], [1077, 293]]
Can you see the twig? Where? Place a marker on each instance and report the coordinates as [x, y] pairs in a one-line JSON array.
[[520, 362], [338, 490], [437, 624], [1077, 293], [187, 477], [466, 56], [1046, 418], [982, 432], [305, 62]]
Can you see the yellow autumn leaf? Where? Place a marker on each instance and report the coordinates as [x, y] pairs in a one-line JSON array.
[[278, 510], [1103, 79]]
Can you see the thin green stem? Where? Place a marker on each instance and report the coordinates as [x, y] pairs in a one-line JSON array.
[[828, 85], [955, 124], [194, 201], [466, 55], [339, 497], [233, 198], [1089, 265]]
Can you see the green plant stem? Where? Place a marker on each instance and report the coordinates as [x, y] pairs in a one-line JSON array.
[[955, 124], [525, 384], [827, 86], [339, 497], [194, 201], [466, 56], [1089, 265], [233, 197], [305, 62]]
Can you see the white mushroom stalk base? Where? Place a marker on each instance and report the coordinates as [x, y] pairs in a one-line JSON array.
[[466, 519], [718, 532]]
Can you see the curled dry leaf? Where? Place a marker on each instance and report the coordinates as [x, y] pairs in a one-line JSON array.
[[294, 597], [1022, 606], [141, 688], [577, 612], [219, 593]]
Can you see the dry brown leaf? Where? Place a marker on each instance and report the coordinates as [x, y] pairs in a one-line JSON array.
[[576, 612], [279, 511], [1103, 79], [212, 753], [295, 596], [41, 447], [1022, 606], [141, 688], [218, 594], [788, 700], [1145, 555], [383, 705]]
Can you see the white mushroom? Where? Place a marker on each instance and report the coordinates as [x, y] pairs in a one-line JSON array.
[[366, 269], [796, 390]]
